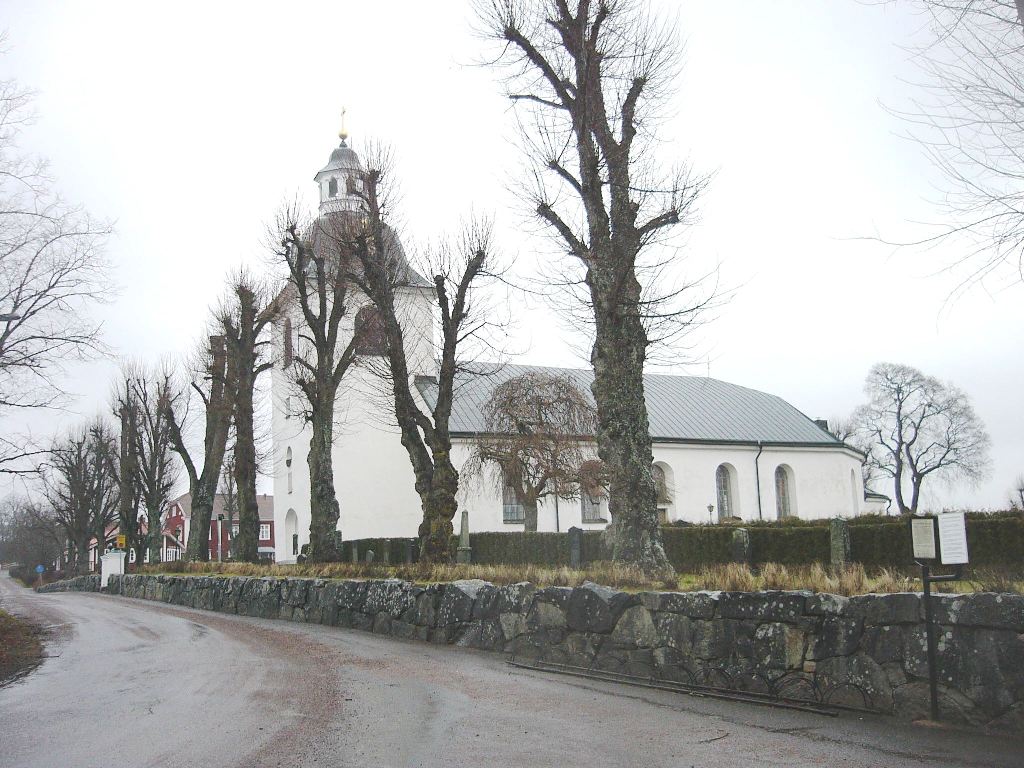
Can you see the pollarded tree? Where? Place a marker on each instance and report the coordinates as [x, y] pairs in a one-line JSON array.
[[245, 319], [81, 487], [917, 427], [212, 380], [536, 429], [381, 272], [318, 263], [594, 74]]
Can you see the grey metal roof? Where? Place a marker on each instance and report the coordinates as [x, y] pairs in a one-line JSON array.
[[343, 157], [680, 408]]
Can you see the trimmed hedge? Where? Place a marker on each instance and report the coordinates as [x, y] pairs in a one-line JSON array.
[[874, 542]]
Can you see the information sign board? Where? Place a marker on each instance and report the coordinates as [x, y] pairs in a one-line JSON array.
[[922, 532], [953, 538]]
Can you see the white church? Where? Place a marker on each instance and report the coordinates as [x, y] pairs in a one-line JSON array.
[[720, 450]]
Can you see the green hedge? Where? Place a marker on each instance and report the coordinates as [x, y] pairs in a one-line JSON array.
[[874, 542]]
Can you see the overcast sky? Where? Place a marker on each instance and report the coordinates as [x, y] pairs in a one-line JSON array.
[[188, 124]]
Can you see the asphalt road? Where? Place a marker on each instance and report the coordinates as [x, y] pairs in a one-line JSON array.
[[143, 684]]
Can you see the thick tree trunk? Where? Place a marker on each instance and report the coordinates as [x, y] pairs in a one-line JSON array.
[[81, 557], [439, 509], [246, 543], [623, 434], [155, 535], [198, 546], [530, 514], [323, 502]]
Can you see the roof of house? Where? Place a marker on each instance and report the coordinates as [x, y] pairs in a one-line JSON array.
[[680, 408], [263, 501]]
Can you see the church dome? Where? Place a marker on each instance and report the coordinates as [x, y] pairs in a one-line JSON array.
[[343, 158]]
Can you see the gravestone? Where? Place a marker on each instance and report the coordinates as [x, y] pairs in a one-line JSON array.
[[575, 547], [741, 550], [839, 542], [385, 552], [369, 555], [354, 552], [464, 554]]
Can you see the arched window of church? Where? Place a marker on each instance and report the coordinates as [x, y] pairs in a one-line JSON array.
[[512, 510], [289, 349], [350, 185], [724, 483], [332, 188], [288, 466], [783, 492], [661, 484], [369, 331], [593, 497]]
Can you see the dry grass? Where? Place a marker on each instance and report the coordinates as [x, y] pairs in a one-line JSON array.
[[852, 580], [20, 647]]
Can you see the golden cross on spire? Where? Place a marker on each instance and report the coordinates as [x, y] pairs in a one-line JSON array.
[[343, 133]]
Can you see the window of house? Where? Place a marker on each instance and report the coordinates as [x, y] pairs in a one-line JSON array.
[[131, 555], [512, 510], [234, 529], [591, 507], [288, 466], [723, 480], [332, 188], [783, 503], [264, 531], [369, 332], [289, 349]]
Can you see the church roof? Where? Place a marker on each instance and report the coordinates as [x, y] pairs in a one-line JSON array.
[[692, 409], [343, 157]]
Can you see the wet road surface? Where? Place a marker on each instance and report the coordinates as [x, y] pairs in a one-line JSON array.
[[144, 684]]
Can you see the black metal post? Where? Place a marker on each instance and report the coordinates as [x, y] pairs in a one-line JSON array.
[[933, 651]]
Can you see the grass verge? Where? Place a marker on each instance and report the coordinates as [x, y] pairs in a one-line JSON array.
[[852, 580], [20, 647]]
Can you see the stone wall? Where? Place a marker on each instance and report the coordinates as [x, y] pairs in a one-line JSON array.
[[861, 651]]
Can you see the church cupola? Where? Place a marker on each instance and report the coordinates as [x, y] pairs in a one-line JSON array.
[[341, 180]]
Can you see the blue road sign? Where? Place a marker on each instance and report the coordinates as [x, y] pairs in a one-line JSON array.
[[40, 568]]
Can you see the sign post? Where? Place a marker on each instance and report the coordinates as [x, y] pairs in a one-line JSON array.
[[40, 570], [937, 539]]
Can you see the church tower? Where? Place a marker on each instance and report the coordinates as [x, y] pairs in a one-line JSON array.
[[340, 180]]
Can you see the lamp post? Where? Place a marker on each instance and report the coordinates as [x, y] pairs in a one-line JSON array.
[[711, 510]]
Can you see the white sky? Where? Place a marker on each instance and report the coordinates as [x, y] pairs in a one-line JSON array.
[[188, 125]]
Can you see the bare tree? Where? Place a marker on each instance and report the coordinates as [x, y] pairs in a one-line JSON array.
[[246, 319], [52, 273], [535, 430], [969, 120], [81, 487], [148, 465], [592, 75], [383, 274], [213, 382], [848, 431], [27, 535], [318, 267], [918, 427], [1017, 493]]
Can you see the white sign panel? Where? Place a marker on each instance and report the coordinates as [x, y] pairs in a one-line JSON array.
[[922, 531], [953, 538]]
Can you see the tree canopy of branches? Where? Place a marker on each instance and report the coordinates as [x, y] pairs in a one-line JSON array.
[[81, 483], [52, 272], [245, 320], [148, 466], [970, 122], [213, 382], [27, 535], [536, 428], [593, 75], [384, 276], [916, 427], [318, 265]]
